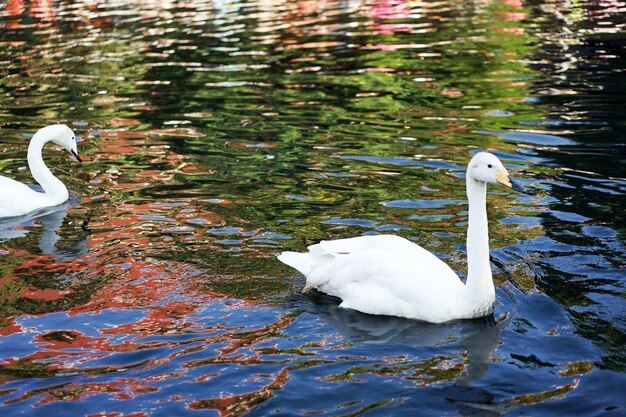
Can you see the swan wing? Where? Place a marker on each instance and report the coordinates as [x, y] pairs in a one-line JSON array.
[[17, 198], [382, 274]]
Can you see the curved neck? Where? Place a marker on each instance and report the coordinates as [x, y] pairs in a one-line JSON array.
[[478, 267], [52, 186]]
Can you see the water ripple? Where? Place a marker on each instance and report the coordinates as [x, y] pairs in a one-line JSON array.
[[217, 134]]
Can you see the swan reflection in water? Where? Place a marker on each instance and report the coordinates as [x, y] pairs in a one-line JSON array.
[[50, 220], [479, 338]]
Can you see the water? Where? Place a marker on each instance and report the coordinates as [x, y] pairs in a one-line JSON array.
[[217, 134]]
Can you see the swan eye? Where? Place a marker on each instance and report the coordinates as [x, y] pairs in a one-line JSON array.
[[489, 166]]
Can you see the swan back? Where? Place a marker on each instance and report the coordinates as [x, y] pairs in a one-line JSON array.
[[381, 274]]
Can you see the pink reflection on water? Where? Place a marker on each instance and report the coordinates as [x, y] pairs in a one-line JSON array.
[[383, 10]]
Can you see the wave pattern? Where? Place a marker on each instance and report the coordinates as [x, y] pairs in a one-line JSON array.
[[218, 133]]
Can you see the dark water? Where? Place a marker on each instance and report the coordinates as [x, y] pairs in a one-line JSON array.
[[217, 134]]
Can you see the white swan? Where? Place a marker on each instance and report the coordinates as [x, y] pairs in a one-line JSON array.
[[390, 275], [16, 198]]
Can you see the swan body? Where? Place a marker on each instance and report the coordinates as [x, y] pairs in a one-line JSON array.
[[390, 275], [16, 198]]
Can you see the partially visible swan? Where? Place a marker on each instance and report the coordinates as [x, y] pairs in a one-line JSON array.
[[17, 198], [390, 275]]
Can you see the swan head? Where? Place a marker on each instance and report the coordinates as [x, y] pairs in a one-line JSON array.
[[486, 167], [62, 136]]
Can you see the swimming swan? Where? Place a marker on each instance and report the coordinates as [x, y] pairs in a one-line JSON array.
[[390, 275], [16, 198]]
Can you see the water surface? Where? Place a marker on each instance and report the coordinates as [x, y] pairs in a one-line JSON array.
[[217, 134]]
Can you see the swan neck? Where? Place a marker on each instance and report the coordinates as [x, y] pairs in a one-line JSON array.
[[51, 185], [478, 267]]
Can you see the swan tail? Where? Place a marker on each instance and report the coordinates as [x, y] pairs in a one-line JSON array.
[[299, 261], [309, 265]]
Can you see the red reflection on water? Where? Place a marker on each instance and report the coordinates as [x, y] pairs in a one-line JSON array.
[[64, 339], [47, 294], [142, 283], [15, 7], [237, 405], [248, 339], [10, 328], [42, 10], [123, 389], [178, 132], [169, 295], [164, 291], [122, 122]]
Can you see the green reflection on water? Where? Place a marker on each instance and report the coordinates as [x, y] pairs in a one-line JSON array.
[[170, 117], [186, 113]]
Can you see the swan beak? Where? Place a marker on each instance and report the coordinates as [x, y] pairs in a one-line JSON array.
[[503, 178], [76, 155]]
